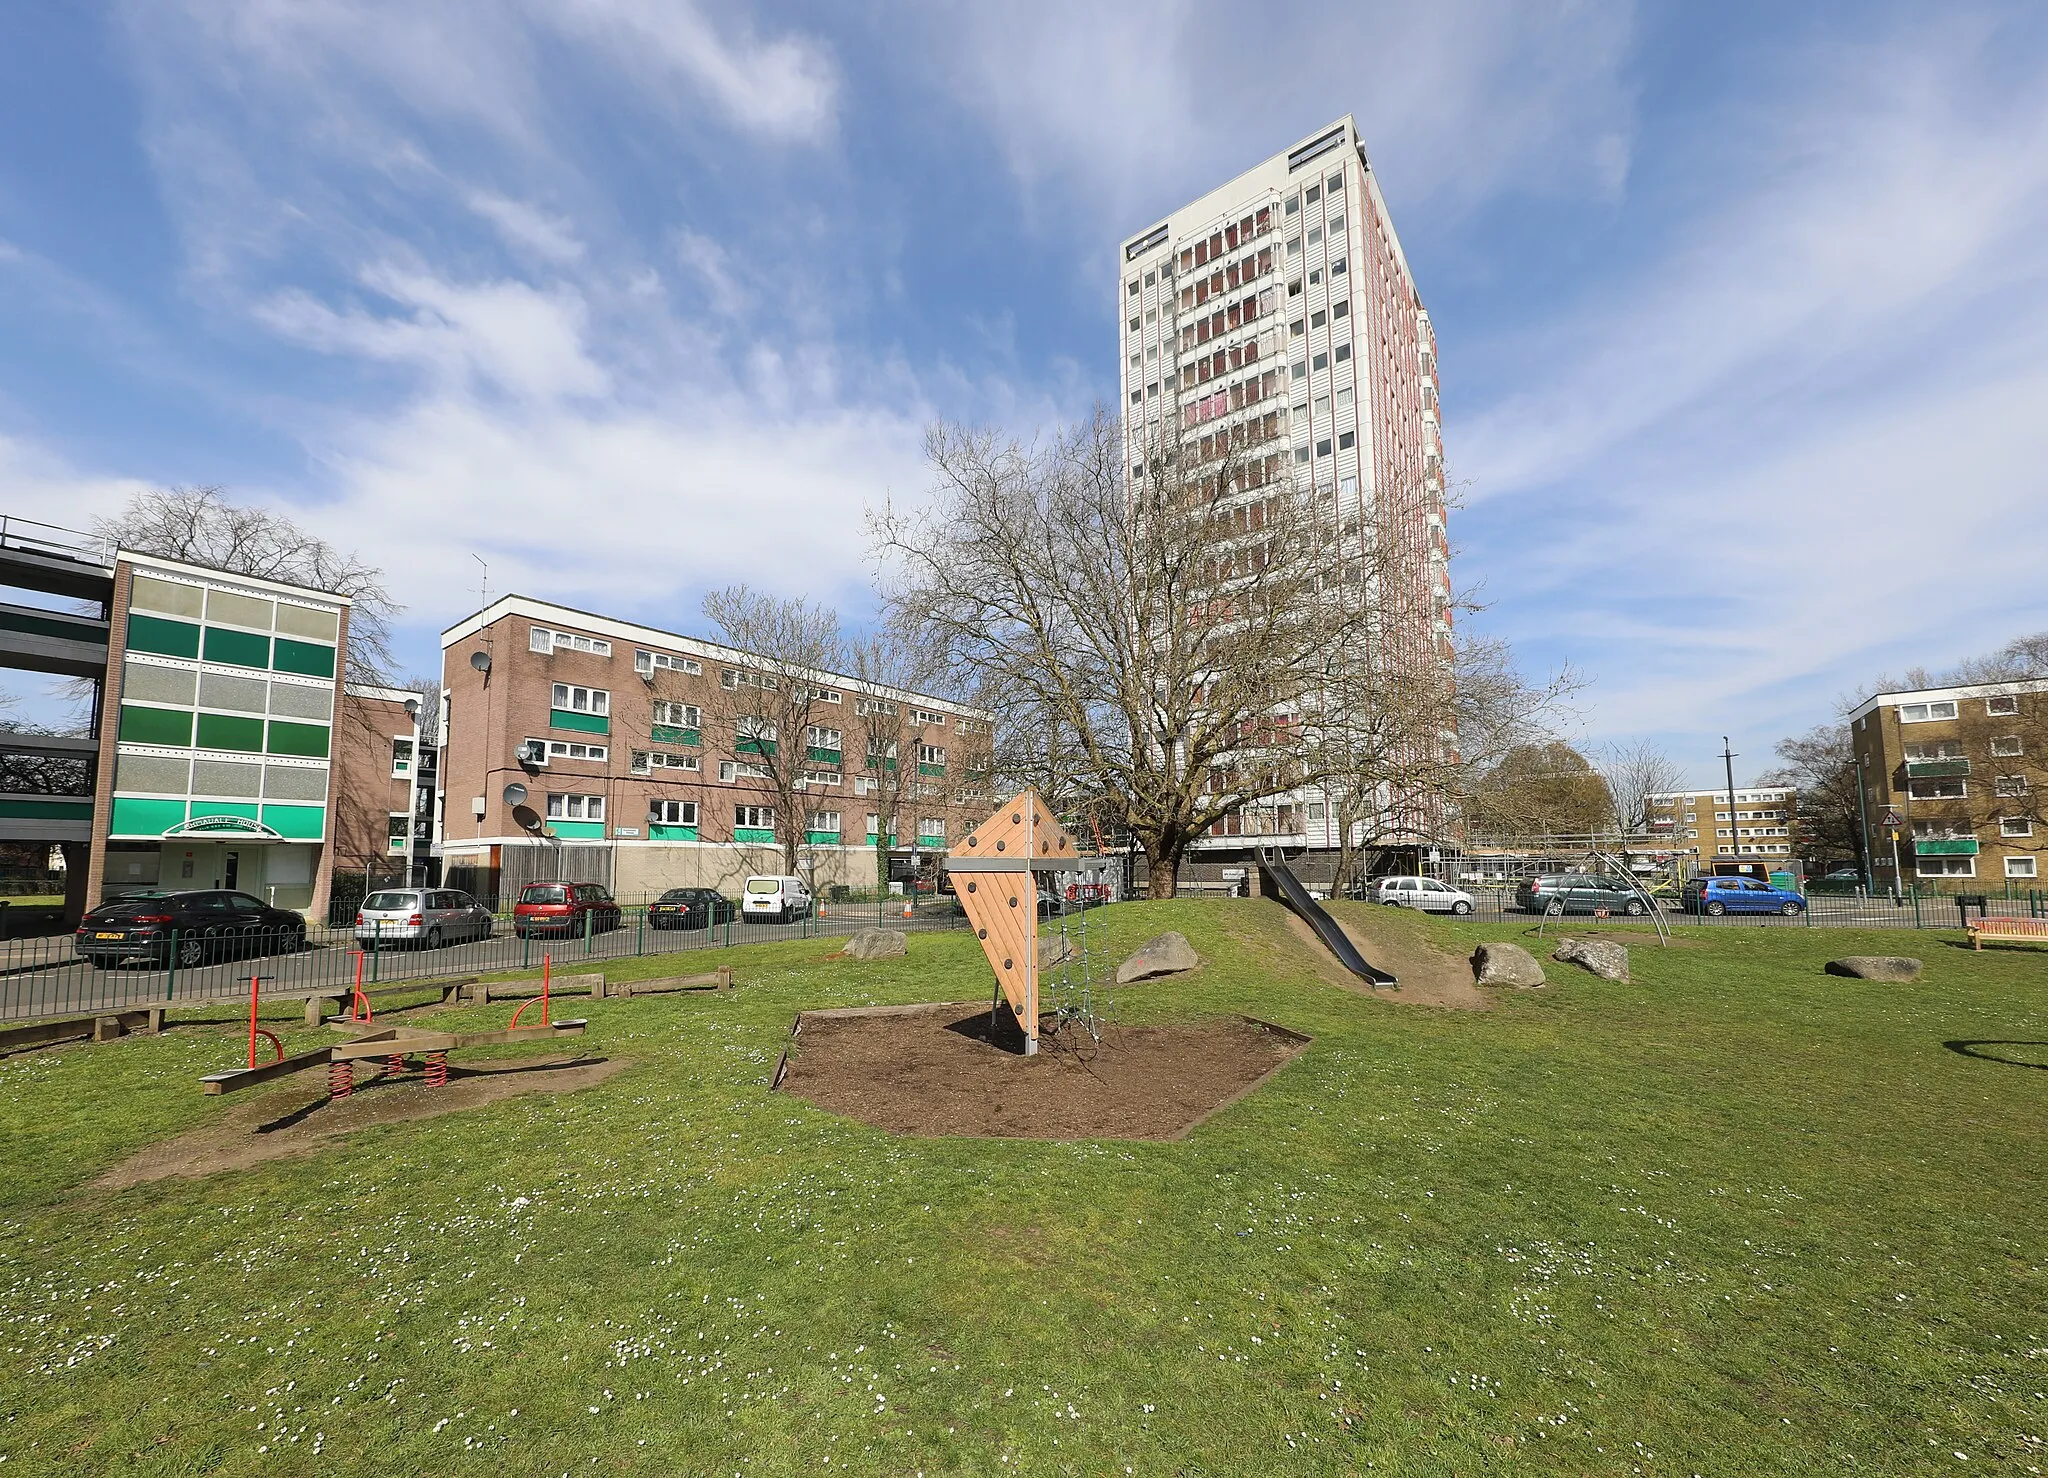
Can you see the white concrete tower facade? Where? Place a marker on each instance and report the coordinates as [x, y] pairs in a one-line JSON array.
[[1278, 311]]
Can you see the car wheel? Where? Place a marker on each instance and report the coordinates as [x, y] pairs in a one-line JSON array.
[[1717, 909], [433, 939], [1635, 908], [1789, 909], [192, 952], [1461, 908]]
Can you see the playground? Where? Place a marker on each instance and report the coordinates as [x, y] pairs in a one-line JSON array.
[[1737, 1215]]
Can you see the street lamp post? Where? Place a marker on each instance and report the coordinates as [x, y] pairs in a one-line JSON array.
[[1734, 830]]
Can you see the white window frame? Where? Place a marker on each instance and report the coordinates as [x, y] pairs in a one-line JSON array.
[[671, 715], [650, 662], [826, 778], [1945, 868], [2008, 747], [926, 716], [546, 639], [753, 817], [862, 707], [818, 736], [1961, 792], [2009, 787], [732, 771], [664, 812], [931, 754], [401, 769], [931, 828], [529, 743], [2021, 867], [398, 835], [595, 701], [824, 821], [567, 807], [732, 679], [2004, 705], [1938, 710], [565, 749], [2015, 826]]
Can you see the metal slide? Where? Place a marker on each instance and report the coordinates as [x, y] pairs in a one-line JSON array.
[[1281, 883]]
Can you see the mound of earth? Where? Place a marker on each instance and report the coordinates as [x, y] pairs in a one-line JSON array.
[[1393, 939], [300, 1119], [936, 1070]]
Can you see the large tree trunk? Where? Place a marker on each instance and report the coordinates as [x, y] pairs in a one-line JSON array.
[[1160, 876]]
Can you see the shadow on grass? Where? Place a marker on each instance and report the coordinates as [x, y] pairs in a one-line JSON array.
[[1975, 1049], [390, 1080]]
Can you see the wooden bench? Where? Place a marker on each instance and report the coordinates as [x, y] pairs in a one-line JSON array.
[[100, 1026], [2016, 931]]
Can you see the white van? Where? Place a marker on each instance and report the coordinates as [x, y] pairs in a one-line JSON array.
[[781, 899]]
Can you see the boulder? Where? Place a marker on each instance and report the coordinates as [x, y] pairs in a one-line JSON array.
[[1876, 967], [1604, 958], [1169, 954], [1054, 949], [876, 944], [1506, 964]]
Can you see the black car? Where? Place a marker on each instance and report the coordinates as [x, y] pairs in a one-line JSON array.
[[200, 925], [690, 908], [1578, 892]]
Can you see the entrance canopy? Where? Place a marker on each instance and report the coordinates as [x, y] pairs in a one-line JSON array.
[[224, 829]]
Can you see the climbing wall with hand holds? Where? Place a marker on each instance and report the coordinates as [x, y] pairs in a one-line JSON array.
[[995, 873]]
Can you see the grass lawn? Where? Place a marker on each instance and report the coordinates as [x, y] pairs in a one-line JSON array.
[[1738, 1217]]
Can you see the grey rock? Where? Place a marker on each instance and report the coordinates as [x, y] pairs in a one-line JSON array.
[[1604, 958], [876, 944], [1876, 967], [1506, 964], [1169, 954], [1054, 949]]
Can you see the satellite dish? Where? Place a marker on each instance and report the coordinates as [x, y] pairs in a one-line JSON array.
[[412, 708], [530, 752], [515, 794], [481, 661], [527, 817]]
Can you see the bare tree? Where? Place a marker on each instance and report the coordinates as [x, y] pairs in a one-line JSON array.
[[1165, 643], [1635, 770], [200, 526], [1821, 766], [768, 706]]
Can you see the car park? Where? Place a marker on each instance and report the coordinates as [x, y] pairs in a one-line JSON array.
[[776, 899], [1717, 896], [1579, 892], [1426, 894], [190, 927], [690, 908], [573, 909], [430, 917]]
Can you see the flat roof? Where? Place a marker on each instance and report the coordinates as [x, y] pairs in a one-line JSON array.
[[1938, 695]]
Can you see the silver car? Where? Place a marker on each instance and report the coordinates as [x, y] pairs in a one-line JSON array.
[[429, 916]]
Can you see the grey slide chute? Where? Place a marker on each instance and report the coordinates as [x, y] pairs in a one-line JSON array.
[[1282, 884]]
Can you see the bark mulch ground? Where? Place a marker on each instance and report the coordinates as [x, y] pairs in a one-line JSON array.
[[934, 1070]]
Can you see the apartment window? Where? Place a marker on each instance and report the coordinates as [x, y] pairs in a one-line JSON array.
[[575, 807], [1293, 206], [2007, 746], [1939, 790], [731, 770], [1335, 182], [1340, 309], [823, 777], [826, 821], [678, 715], [1298, 328], [544, 639], [1300, 369], [1132, 286], [1920, 713], [1136, 324], [862, 707], [582, 700], [671, 813], [932, 829], [2015, 826], [1321, 362], [817, 737], [1322, 449], [926, 716], [1318, 318], [1315, 236], [820, 695], [647, 761], [2019, 867], [1947, 867], [1343, 352], [1692, 816], [931, 754], [1312, 194], [2003, 706], [756, 731], [1347, 440], [558, 749], [1301, 453], [1940, 749], [758, 818], [732, 681], [645, 661], [2009, 785], [401, 758]]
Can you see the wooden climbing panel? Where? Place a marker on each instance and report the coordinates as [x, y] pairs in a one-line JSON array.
[[995, 874]]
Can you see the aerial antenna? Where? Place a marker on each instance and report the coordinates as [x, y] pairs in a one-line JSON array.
[[483, 589]]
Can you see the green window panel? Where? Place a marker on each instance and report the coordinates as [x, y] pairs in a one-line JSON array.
[[580, 831], [33, 625], [300, 823], [825, 757], [754, 746], [1945, 847], [670, 734], [141, 818], [880, 764], [165, 638], [50, 810], [874, 840], [172, 726], [203, 811], [760, 834], [822, 838], [672, 833], [931, 769], [237, 648], [582, 723], [230, 731], [307, 658], [307, 740]]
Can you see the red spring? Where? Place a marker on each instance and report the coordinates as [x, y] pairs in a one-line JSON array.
[[437, 1070], [395, 1065], [341, 1078]]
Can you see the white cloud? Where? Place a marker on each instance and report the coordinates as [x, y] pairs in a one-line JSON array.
[[528, 229]]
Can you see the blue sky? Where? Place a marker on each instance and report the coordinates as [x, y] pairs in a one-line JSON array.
[[1742, 309]]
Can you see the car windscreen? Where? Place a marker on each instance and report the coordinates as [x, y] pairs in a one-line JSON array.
[[764, 887], [544, 893], [677, 895], [383, 901]]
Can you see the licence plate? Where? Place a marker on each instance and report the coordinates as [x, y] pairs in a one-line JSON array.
[[110, 936]]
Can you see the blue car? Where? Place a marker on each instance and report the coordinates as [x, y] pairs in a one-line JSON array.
[[1740, 895]]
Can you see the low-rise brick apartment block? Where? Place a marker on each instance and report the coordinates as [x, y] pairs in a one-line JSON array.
[[1764, 823], [1962, 770]]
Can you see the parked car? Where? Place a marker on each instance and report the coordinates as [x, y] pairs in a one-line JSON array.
[[690, 908], [206, 924], [429, 916], [1716, 896], [1579, 892], [778, 898], [1424, 893], [575, 909]]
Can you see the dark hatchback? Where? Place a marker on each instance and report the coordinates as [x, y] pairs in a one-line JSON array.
[[1578, 892], [201, 925], [690, 908]]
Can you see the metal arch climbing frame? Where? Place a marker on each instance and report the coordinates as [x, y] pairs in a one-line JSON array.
[[995, 871]]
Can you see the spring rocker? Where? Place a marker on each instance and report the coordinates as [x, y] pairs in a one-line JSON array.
[[995, 875], [397, 1046]]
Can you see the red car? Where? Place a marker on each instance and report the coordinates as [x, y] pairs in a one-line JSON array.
[[573, 909]]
